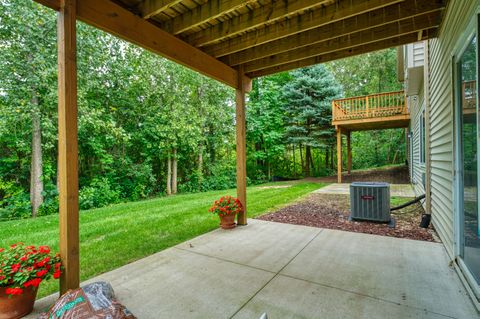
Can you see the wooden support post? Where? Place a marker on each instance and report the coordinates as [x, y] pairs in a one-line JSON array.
[[243, 85], [339, 155], [349, 153], [68, 145]]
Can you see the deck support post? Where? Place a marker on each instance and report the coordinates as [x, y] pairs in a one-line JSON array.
[[339, 155], [349, 153], [243, 86], [68, 146]]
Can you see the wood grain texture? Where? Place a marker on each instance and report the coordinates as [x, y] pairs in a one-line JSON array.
[[241, 138], [363, 22], [68, 146], [383, 44]]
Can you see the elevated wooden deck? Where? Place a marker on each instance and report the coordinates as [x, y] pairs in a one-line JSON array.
[[371, 112]]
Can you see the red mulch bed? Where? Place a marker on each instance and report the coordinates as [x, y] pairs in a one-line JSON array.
[[332, 211]]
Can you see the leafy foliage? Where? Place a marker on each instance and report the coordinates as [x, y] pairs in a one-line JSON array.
[[136, 110]]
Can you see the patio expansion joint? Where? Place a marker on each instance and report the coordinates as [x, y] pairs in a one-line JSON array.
[[366, 295], [276, 274], [223, 259]]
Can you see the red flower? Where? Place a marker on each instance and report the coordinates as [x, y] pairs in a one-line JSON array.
[[2, 249], [14, 291], [56, 274], [33, 282], [16, 267], [57, 266], [2, 277], [24, 258], [44, 249], [42, 273]]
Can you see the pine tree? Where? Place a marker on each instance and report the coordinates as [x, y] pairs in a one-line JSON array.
[[308, 111]]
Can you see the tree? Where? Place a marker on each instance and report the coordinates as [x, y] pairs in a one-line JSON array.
[[27, 70], [307, 108]]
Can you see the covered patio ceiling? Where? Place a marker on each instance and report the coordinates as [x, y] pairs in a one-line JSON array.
[[261, 37]]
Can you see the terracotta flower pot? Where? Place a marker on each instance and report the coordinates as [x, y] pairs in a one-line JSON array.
[[226, 222], [15, 307]]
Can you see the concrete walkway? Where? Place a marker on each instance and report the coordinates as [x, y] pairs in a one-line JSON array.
[[398, 190], [292, 271]]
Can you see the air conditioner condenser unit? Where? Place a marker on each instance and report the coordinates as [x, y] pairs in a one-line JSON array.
[[370, 201]]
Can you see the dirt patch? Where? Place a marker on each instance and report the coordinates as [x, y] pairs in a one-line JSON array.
[[332, 211], [392, 175]]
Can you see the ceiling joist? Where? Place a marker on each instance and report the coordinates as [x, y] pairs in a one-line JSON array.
[[366, 37], [330, 31], [260, 37], [206, 12], [314, 19], [269, 13], [149, 8], [114, 19], [380, 45]]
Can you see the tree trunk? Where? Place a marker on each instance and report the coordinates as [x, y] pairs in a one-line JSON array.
[[301, 159], [174, 172], [327, 153], [169, 175], [200, 167], [332, 157], [308, 160], [294, 163], [36, 182]]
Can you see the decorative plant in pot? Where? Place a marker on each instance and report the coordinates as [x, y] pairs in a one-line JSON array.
[[22, 269], [227, 208]]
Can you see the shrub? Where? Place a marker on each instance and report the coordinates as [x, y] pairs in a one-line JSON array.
[[14, 201], [98, 194]]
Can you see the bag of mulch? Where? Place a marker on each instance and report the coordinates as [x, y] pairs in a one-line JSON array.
[[96, 300]]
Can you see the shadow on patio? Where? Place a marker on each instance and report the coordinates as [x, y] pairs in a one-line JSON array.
[[291, 271]]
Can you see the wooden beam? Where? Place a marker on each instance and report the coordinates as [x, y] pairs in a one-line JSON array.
[[149, 8], [206, 12], [271, 12], [241, 146], [391, 30], [340, 10], [107, 16], [349, 152], [384, 44], [339, 154], [365, 21], [52, 4], [68, 146]]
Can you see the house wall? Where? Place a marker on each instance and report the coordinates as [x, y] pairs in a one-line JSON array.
[[441, 114], [416, 106]]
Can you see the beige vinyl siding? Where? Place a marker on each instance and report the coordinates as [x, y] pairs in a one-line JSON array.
[[441, 114]]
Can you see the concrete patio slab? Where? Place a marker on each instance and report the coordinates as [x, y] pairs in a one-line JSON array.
[[397, 190], [281, 299], [261, 244], [290, 271], [407, 272]]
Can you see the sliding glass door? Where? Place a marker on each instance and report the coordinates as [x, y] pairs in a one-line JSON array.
[[467, 89]]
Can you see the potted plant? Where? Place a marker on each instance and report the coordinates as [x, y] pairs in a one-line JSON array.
[[227, 208], [22, 269]]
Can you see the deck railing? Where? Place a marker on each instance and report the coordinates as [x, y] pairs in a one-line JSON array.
[[370, 106], [469, 94]]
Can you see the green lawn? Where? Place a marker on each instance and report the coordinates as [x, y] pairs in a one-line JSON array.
[[119, 234]]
